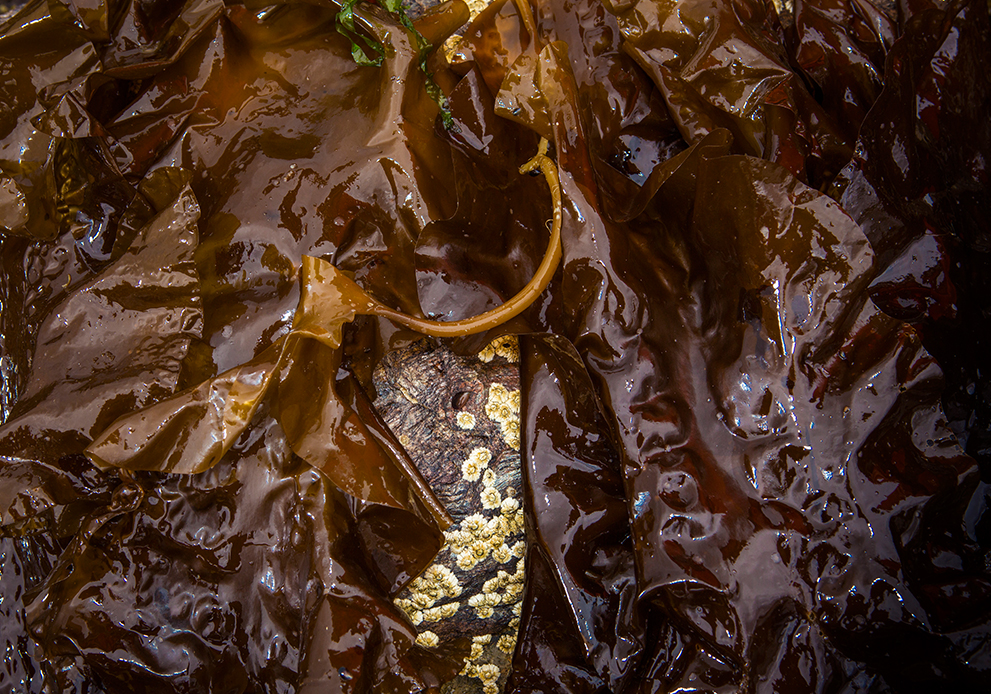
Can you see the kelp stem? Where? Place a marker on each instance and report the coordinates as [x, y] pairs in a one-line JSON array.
[[526, 296], [525, 12]]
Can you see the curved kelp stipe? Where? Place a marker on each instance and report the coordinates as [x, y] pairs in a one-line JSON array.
[[525, 297]]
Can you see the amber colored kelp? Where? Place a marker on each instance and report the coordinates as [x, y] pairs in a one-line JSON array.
[[745, 389]]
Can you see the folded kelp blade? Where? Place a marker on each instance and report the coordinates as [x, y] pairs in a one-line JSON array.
[[31, 76], [192, 431], [258, 572], [297, 151], [778, 436], [114, 342], [725, 65], [252, 576], [918, 186], [837, 438], [841, 45], [581, 620], [796, 441], [60, 62]]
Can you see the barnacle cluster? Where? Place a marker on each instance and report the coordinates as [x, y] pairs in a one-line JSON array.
[[503, 406]]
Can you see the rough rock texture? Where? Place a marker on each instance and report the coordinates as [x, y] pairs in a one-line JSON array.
[[458, 417]]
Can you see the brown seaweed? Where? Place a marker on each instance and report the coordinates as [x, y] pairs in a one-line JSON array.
[[747, 389]]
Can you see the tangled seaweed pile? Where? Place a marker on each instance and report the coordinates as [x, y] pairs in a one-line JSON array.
[[755, 419]]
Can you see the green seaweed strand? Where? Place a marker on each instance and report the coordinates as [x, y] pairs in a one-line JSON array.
[[363, 49], [367, 52]]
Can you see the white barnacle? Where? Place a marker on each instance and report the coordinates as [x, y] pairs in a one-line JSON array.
[[427, 639], [490, 498]]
